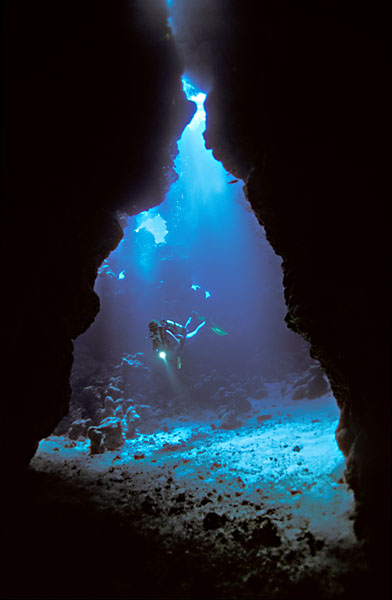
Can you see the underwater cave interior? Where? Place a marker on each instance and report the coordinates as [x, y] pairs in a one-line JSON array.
[[246, 414], [200, 255], [256, 463]]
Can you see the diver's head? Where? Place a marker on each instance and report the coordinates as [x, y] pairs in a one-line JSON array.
[[153, 326]]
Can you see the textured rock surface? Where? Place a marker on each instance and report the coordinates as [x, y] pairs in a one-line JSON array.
[[224, 514], [132, 381], [94, 106], [79, 428], [297, 109], [108, 436]]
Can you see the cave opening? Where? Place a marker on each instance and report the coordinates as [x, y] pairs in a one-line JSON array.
[[219, 475], [244, 420], [200, 256]]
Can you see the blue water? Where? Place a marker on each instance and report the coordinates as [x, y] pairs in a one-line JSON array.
[[202, 249]]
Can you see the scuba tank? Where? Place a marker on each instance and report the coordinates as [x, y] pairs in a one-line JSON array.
[[174, 328], [179, 331]]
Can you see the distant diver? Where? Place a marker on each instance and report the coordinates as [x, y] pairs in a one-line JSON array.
[[168, 338]]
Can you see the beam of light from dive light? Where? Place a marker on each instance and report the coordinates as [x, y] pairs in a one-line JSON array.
[[162, 355]]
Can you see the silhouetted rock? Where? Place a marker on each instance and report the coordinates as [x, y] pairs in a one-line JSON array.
[[213, 521], [79, 428], [312, 386], [107, 436], [90, 398], [310, 170], [297, 108], [131, 419], [96, 438], [241, 403], [266, 535], [104, 118], [230, 420]]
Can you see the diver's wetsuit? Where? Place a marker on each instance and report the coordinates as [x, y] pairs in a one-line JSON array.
[[170, 337]]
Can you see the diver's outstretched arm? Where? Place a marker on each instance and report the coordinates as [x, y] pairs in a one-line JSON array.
[[193, 333], [173, 338]]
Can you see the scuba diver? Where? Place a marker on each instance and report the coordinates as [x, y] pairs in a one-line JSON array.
[[168, 338]]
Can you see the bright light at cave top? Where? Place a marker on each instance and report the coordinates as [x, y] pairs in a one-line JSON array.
[[199, 118], [154, 224]]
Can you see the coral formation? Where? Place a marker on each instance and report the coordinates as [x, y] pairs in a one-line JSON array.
[[227, 401]]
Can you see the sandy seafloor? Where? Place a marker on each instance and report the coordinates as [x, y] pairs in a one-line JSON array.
[[257, 512]]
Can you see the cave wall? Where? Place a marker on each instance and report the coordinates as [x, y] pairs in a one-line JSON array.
[[297, 108], [93, 106]]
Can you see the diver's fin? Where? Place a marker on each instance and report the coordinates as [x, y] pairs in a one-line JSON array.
[[218, 330], [213, 326], [198, 315]]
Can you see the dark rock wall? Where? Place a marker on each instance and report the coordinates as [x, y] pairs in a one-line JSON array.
[[297, 108], [93, 106]]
